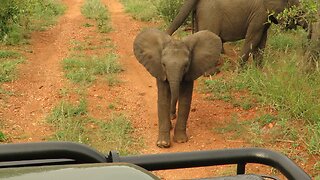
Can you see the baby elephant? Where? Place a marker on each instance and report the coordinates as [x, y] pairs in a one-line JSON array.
[[176, 64]]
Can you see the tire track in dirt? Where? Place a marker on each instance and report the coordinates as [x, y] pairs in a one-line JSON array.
[[36, 90], [138, 86]]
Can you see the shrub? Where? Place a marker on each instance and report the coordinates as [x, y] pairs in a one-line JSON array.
[[18, 18], [9, 13], [168, 9]]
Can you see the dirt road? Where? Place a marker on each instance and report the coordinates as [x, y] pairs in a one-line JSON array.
[[41, 79]]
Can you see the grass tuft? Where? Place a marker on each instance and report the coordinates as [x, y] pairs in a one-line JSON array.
[[8, 64], [143, 10], [73, 123], [95, 9], [86, 69]]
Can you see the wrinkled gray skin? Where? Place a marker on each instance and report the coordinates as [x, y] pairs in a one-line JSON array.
[[175, 64], [234, 20]]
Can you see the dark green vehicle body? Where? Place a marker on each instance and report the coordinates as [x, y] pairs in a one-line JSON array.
[[101, 171]]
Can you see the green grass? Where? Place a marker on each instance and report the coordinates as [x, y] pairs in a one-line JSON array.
[[282, 85], [8, 70], [6, 54], [286, 41], [95, 9], [144, 10], [3, 137], [44, 13], [168, 9], [224, 90], [116, 134], [83, 69], [73, 123], [21, 17], [8, 65], [69, 120]]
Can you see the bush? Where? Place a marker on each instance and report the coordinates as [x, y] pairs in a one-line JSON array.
[[9, 13], [304, 13], [168, 9], [143, 10], [17, 18]]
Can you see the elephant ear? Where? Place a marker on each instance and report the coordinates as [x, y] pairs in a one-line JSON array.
[[147, 48], [205, 48]]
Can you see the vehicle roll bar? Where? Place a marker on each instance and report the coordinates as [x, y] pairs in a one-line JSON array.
[[52, 153]]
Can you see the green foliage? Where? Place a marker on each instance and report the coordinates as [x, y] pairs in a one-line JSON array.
[[9, 13], [18, 18], [3, 137], [282, 85], [68, 110], [69, 120], [305, 12], [314, 139], [223, 89], [6, 54], [168, 9], [94, 9], [288, 41], [86, 69], [7, 70], [147, 10], [73, 123], [8, 63], [116, 134], [144, 10]]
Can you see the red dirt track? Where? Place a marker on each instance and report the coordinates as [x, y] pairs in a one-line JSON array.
[[41, 78]]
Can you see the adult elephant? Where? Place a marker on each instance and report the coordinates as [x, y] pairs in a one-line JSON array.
[[175, 64], [234, 20]]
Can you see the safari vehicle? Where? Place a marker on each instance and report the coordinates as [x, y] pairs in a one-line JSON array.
[[65, 160]]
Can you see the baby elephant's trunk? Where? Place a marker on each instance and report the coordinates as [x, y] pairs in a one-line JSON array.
[[174, 88]]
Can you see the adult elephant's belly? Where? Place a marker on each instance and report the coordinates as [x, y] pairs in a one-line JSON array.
[[227, 32], [226, 18]]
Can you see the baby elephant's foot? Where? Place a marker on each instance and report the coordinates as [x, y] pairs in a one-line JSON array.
[[180, 137], [164, 140]]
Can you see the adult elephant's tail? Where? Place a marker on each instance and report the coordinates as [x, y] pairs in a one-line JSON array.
[[185, 10]]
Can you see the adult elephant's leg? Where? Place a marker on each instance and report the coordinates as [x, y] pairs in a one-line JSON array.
[[252, 40], [185, 97], [258, 53], [164, 122]]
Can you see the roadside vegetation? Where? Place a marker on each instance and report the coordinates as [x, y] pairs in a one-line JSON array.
[[19, 18], [73, 123], [86, 69], [9, 60], [149, 10], [8, 63], [95, 9]]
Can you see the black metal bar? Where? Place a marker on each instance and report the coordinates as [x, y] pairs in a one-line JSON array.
[[241, 168], [219, 157], [50, 150], [54, 152]]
